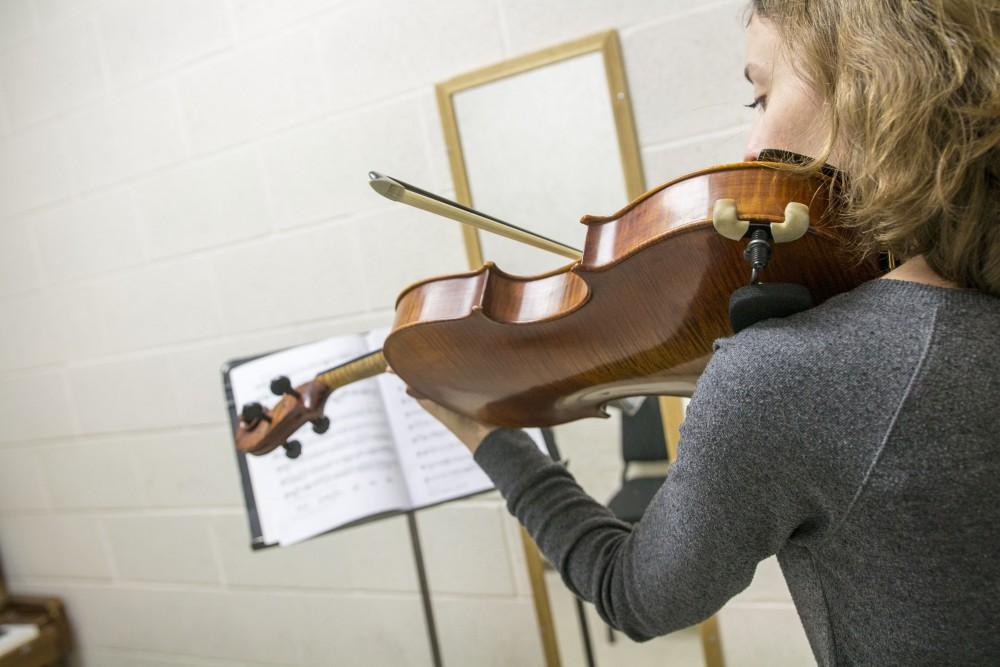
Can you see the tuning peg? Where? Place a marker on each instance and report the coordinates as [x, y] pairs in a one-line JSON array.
[[252, 413], [321, 425], [281, 385], [292, 449]]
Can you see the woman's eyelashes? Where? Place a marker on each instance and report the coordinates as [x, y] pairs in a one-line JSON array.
[[758, 102]]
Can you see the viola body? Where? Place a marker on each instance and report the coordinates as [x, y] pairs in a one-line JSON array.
[[637, 315]]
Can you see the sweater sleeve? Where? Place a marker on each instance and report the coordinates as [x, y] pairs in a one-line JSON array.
[[730, 500]]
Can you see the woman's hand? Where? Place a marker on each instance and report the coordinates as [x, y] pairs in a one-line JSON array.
[[466, 429], [469, 431]]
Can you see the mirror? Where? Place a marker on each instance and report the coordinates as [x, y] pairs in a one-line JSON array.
[[524, 169], [539, 141]]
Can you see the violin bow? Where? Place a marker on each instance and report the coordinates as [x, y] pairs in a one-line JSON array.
[[397, 190]]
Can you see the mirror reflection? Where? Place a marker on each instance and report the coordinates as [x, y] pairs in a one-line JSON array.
[[525, 167]]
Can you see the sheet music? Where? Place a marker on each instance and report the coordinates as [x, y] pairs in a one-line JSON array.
[[436, 464], [347, 473], [13, 636]]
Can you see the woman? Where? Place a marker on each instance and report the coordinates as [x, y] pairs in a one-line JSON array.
[[858, 440]]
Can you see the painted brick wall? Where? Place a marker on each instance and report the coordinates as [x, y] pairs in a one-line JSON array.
[[182, 182]]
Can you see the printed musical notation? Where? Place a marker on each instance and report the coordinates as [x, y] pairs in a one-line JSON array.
[[425, 444], [382, 452], [423, 440], [342, 475]]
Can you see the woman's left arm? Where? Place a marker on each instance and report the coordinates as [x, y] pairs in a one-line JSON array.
[[728, 503]]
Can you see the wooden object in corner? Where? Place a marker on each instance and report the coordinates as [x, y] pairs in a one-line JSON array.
[[53, 643]]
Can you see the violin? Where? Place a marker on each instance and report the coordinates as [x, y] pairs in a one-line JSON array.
[[634, 314]]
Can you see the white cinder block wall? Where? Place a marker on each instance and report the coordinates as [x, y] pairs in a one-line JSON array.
[[184, 181]]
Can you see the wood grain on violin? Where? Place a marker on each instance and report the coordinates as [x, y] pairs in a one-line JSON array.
[[635, 316]]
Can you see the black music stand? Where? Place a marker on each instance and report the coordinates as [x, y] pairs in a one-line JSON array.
[[256, 534]]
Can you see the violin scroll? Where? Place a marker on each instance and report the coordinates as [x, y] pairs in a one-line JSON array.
[[261, 430]]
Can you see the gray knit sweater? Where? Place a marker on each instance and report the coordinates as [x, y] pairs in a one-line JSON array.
[[859, 441]]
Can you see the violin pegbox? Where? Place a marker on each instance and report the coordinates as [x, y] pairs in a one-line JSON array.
[[261, 430]]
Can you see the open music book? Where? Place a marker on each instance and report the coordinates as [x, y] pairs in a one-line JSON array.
[[383, 453]]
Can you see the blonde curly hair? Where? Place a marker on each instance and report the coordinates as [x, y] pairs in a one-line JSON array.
[[913, 87]]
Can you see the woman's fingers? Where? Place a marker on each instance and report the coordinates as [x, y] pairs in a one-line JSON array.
[[414, 393], [409, 390]]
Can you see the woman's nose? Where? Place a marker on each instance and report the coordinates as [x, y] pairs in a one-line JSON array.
[[751, 149]]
